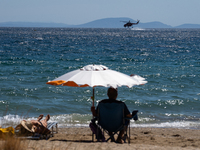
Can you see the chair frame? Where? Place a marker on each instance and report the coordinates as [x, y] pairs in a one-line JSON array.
[[121, 127]]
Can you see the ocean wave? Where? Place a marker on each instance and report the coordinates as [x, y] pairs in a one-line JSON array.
[[83, 120]]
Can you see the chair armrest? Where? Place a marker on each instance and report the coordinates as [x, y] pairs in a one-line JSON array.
[[134, 116], [128, 118]]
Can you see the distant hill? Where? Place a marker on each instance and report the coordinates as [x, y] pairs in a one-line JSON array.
[[106, 23], [119, 23], [32, 24], [155, 24], [189, 26], [100, 23]]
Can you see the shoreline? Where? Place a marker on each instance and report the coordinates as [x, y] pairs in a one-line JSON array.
[[141, 138]]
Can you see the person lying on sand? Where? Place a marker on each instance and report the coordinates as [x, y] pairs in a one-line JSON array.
[[34, 126]]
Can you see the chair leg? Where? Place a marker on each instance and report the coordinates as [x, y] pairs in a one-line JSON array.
[[92, 137], [97, 136], [129, 138], [52, 132], [127, 134], [111, 137], [56, 128]]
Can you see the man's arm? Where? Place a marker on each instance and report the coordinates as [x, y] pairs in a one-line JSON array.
[[129, 116], [127, 112], [93, 111]]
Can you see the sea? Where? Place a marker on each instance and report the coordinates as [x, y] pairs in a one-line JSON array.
[[169, 59]]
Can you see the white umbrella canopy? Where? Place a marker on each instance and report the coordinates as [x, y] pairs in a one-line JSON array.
[[139, 78], [97, 75]]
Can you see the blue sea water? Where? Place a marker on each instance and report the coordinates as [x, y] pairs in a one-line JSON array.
[[169, 59]]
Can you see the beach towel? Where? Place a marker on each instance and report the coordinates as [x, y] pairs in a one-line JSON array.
[[9, 131]]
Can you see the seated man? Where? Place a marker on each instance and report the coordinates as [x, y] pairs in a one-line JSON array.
[[34, 126], [112, 94]]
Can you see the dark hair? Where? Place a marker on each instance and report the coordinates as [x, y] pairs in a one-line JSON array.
[[112, 93]]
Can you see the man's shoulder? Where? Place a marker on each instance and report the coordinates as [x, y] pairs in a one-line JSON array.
[[104, 101], [110, 101]]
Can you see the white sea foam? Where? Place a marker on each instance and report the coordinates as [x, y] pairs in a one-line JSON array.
[[181, 124], [136, 28], [39, 38], [77, 120]]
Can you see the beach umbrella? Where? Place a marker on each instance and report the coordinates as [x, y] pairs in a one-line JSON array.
[[97, 75]]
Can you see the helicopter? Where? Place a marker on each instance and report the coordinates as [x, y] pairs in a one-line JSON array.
[[129, 23]]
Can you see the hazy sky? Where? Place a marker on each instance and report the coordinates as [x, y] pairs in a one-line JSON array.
[[170, 12]]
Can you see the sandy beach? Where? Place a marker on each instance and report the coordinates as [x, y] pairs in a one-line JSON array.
[[141, 139]]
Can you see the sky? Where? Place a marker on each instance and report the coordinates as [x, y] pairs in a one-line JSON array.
[[75, 12]]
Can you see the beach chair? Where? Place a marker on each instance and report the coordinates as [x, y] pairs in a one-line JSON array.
[[111, 120], [52, 126]]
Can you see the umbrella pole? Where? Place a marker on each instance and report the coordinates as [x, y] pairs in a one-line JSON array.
[[93, 98], [92, 115]]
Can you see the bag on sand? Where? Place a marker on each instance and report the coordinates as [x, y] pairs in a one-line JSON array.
[[97, 131]]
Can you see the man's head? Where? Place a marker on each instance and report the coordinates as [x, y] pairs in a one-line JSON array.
[[112, 93]]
